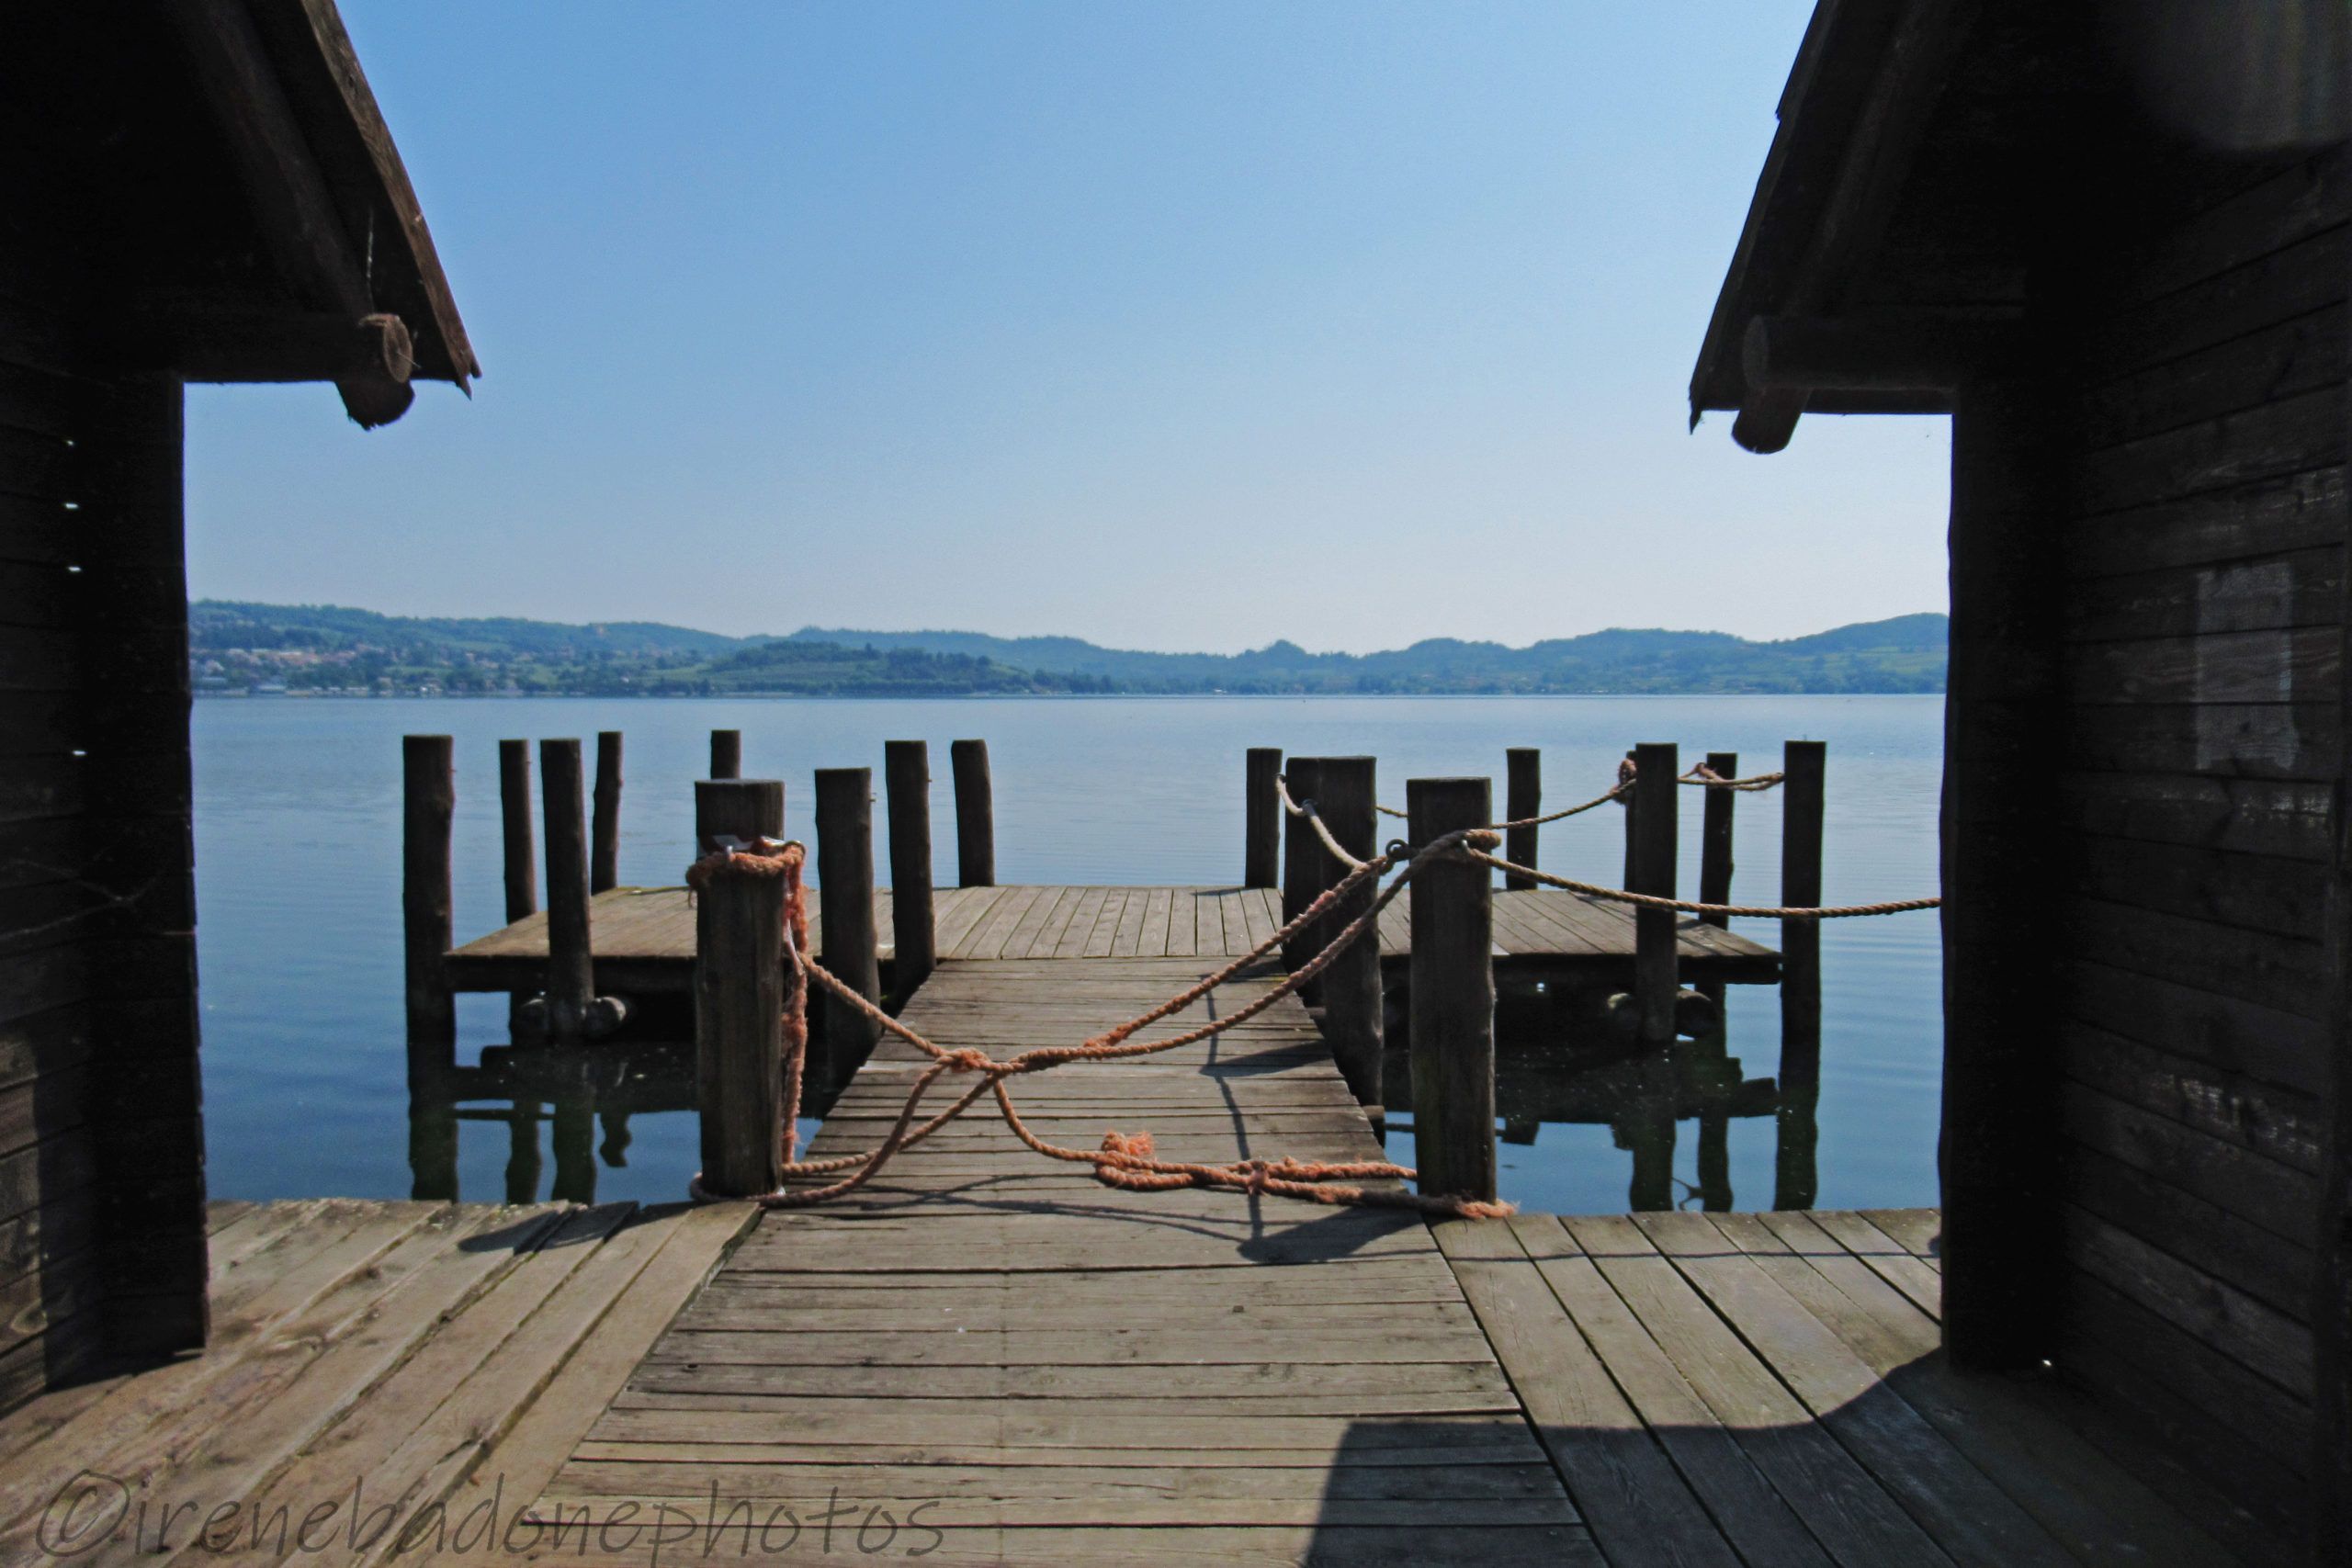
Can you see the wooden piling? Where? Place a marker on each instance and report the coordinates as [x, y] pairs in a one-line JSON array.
[[429, 802], [1715, 837], [975, 814], [1655, 808], [517, 829], [845, 899], [1523, 798], [906, 772], [1351, 997], [1802, 798], [1632, 805], [738, 1015], [1263, 824], [604, 829], [518, 826], [1453, 996], [727, 753], [570, 979], [743, 809], [1303, 856]]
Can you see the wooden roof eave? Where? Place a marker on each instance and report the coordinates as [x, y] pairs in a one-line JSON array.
[[366, 310], [1864, 86]]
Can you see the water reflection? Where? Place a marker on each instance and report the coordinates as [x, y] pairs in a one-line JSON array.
[[1559, 1063], [566, 1110], [581, 1098]]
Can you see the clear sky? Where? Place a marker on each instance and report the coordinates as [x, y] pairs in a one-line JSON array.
[[1169, 323]]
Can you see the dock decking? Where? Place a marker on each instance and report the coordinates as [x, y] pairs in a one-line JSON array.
[[644, 937], [985, 1357]]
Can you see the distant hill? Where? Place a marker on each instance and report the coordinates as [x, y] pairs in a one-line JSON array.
[[1905, 654], [237, 646]]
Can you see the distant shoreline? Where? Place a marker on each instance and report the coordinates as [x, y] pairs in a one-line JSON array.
[[316, 696]]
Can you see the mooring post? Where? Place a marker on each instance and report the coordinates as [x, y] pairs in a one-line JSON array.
[[517, 828], [1303, 856], [1523, 798], [1655, 808], [428, 803], [742, 809], [1453, 995], [740, 990], [1715, 836], [1263, 824], [605, 831], [845, 900], [1802, 798], [1352, 1001], [1632, 804], [572, 981], [975, 814], [906, 772], [727, 753]]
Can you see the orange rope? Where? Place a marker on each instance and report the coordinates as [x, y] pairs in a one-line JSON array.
[[1121, 1160]]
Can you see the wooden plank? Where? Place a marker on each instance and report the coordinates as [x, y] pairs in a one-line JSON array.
[[519, 1463], [1081, 923], [1126, 941], [1841, 1503], [1041, 927], [1105, 936], [1965, 1513], [1638, 1507], [1151, 942], [994, 935], [1183, 926], [2079, 1493], [970, 906]]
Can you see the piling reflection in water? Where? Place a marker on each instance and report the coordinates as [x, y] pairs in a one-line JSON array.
[[1556, 1065], [567, 1110], [584, 1097]]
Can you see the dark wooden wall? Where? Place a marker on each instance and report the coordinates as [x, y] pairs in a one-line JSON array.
[[101, 1151], [2197, 499]]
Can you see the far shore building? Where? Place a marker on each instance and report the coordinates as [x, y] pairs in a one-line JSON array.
[[200, 190], [2109, 240]]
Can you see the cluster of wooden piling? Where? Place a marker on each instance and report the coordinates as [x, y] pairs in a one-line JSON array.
[[1450, 972], [739, 980], [581, 831]]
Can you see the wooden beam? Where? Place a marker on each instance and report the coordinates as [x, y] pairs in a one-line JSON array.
[[2004, 719], [1885, 353], [292, 206], [216, 340], [1882, 146], [446, 350]]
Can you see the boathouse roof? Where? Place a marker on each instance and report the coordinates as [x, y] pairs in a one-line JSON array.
[[1907, 189], [233, 200]]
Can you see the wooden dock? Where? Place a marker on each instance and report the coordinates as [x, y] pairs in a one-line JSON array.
[[994, 1347], [988, 1358], [644, 937]]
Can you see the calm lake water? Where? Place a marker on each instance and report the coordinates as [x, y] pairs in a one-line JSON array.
[[298, 816]]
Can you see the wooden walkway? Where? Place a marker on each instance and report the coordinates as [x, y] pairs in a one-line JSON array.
[[988, 1357], [427, 1353], [644, 937], [1043, 1369]]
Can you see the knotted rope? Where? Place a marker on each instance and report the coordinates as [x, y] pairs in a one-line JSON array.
[[1126, 1160]]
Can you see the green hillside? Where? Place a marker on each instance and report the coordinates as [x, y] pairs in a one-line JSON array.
[[237, 647]]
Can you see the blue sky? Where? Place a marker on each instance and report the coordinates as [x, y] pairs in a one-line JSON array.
[[1125, 320]]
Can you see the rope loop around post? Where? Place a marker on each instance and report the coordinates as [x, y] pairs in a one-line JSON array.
[[1121, 1160]]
